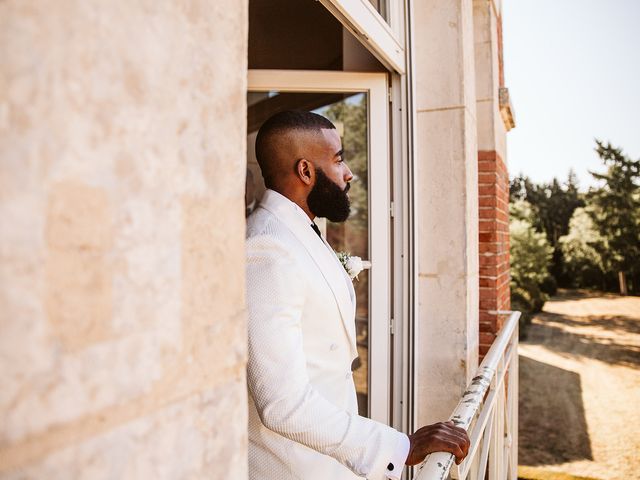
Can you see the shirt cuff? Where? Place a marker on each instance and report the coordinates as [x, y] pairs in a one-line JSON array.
[[396, 465]]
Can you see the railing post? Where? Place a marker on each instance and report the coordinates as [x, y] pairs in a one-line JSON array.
[[513, 386], [495, 433], [489, 411]]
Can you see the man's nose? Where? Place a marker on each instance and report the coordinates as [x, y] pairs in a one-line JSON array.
[[348, 174]]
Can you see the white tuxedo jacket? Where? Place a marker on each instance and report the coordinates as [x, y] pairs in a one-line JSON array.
[[303, 420]]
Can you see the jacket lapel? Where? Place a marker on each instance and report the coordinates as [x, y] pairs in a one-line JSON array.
[[349, 282], [323, 256]]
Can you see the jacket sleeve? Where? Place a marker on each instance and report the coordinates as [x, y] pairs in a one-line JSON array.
[[277, 375]]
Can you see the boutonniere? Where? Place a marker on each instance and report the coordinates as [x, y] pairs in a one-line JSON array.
[[351, 264]]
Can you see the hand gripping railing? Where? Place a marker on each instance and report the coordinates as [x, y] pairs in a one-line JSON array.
[[488, 411]]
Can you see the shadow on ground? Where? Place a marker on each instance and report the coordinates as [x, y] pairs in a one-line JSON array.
[[582, 293], [549, 399], [554, 332], [581, 360]]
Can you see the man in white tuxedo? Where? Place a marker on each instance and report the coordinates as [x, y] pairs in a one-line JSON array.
[[303, 417]]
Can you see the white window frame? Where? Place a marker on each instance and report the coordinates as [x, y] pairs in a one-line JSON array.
[[385, 40], [376, 87]]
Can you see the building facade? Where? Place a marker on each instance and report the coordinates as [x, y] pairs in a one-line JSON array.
[[126, 138]]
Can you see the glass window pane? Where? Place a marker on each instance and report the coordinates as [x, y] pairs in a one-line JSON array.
[[381, 7], [352, 236], [349, 112]]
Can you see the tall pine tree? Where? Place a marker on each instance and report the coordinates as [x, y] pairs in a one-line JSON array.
[[616, 212]]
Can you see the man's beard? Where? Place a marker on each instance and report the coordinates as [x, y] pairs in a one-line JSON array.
[[328, 200]]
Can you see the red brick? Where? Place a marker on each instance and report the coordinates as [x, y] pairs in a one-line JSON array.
[[488, 225], [486, 327], [487, 213], [487, 166], [489, 237], [489, 270], [486, 317], [487, 155], [486, 247], [503, 290], [488, 303], [487, 338], [488, 261], [488, 201], [488, 190], [487, 178], [489, 282]]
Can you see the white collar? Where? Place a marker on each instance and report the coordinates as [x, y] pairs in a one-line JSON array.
[[280, 202]]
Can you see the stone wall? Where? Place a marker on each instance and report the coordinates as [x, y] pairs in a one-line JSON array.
[[122, 319], [447, 197]]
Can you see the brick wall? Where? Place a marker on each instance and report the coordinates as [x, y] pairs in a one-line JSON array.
[[493, 195]]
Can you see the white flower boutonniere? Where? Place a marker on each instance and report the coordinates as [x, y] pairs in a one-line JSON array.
[[352, 265]]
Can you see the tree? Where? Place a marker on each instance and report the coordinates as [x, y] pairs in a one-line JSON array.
[[616, 212], [553, 204], [519, 187], [352, 115], [530, 258], [582, 250]]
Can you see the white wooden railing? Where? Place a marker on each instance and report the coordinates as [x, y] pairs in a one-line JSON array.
[[488, 411]]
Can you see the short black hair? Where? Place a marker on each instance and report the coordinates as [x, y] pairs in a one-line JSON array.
[[280, 123]]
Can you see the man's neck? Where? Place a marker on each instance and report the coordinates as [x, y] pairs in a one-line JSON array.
[[299, 200]]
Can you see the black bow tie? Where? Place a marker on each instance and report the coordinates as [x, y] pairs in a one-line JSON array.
[[316, 229]]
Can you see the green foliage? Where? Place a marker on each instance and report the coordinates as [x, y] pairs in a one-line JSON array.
[[530, 259], [594, 236], [549, 285], [583, 248], [552, 204], [616, 211], [353, 116], [522, 210]]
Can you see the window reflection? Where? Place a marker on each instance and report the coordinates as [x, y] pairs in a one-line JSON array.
[[352, 236], [349, 112], [381, 7]]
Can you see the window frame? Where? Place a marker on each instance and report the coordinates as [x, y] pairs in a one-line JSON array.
[[386, 40], [375, 85]]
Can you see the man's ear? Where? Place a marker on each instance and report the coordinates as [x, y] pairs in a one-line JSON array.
[[305, 171]]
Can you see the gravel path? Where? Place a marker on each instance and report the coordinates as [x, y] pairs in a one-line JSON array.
[[580, 387]]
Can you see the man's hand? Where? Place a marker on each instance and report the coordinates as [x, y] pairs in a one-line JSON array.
[[439, 437]]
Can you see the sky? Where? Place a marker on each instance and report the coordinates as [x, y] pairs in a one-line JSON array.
[[573, 72]]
